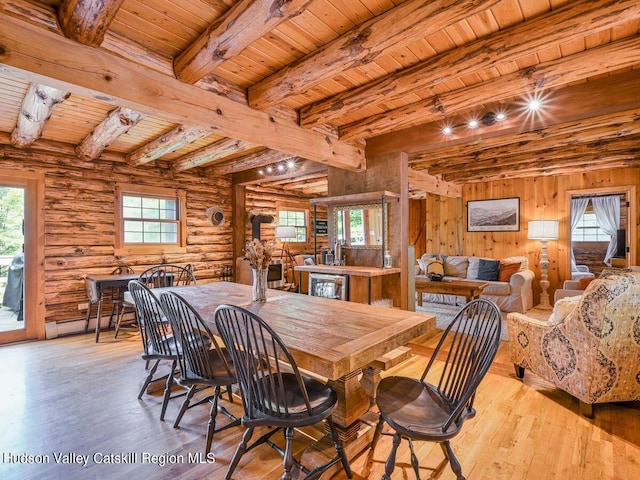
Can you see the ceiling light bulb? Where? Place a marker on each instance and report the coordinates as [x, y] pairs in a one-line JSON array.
[[447, 130], [269, 169], [291, 164], [472, 124], [260, 172], [501, 116], [280, 167], [534, 105]]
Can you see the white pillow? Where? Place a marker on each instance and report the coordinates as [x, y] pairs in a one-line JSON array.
[[474, 265], [562, 308]]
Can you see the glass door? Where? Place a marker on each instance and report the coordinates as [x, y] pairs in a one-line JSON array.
[[22, 309], [12, 202]]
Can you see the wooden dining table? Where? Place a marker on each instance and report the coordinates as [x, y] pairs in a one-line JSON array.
[[329, 338]]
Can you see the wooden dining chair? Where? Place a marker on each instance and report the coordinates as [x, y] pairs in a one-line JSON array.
[[158, 342], [418, 410], [168, 275], [274, 393], [158, 276], [203, 363], [117, 298]]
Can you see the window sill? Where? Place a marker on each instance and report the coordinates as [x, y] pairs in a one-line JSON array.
[[149, 249]]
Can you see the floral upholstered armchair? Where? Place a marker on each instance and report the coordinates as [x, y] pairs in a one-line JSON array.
[[594, 352]]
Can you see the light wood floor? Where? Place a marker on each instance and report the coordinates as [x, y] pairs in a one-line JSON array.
[[72, 396]]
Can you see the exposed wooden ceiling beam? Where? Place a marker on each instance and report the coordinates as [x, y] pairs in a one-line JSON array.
[[297, 185], [169, 142], [37, 105], [246, 22], [428, 183], [51, 146], [586, 162], [303, 167], [43, 15], [544, 159], [544, 76], [32, 53], [253, 160], [569, 22], [86, 21], [604, 127], [301, 178], [216, 152], [389, 31], [117, 122], [588, 99]]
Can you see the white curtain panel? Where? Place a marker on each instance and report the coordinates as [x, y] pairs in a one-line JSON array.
[[578, 206], [607, 211]]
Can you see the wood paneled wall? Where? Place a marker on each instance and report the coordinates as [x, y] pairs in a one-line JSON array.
[[79, 222], [540, 197]]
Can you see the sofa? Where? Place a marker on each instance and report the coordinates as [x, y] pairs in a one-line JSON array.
[[511, 291], [590, 344]]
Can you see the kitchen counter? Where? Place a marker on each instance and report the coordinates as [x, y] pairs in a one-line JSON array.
[[347, 270], [366, 284]]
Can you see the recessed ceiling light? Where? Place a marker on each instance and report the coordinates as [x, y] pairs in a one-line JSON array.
[[269, 169], [472, 124], [280, 167], [447, 130], [291, 164], [500, 116], [260, 172], [535, 105]]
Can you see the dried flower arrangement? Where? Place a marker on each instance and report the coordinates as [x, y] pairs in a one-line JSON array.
[[259, 253]]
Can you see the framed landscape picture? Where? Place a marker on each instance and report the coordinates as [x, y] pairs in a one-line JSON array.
[[501, 215]]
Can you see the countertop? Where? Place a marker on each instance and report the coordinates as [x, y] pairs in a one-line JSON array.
[[348, 270]]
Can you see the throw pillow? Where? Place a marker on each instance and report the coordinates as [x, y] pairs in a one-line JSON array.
[[488, 270], [507, 269], [474, 264], [583, 283], [456, 266], [562, 308]]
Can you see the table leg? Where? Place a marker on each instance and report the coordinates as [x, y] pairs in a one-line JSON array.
[[98, 316], [354, 422], [419, 297]]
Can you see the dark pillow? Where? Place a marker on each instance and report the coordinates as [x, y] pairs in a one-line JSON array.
[[488, 270]]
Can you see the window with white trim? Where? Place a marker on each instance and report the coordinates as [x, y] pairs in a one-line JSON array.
[[294, 217], [150, 218], [588, 230]]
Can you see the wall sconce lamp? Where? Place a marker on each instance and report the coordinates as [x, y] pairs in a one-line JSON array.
[[544, 231]]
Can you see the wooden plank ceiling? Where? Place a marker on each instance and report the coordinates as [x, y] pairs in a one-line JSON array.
[[245, 86]]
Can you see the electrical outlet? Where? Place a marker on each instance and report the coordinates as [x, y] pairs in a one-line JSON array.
[[83, 306]]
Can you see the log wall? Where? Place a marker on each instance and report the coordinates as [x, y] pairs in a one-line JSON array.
[[79, 222], [264, 201], [540, 197]]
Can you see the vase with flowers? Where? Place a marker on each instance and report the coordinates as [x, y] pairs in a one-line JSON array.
[[259, 253]]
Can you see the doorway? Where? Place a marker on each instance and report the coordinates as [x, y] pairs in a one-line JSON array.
[[21, 256], [11, 258], [597, 243]]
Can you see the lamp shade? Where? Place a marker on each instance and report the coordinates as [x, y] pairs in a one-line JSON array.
[[543, 230], [283, 231]]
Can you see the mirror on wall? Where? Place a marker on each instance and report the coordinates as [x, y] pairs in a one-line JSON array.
[[359, 226]]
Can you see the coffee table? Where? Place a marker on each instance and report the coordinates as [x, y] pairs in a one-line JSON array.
[[469, 289]]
